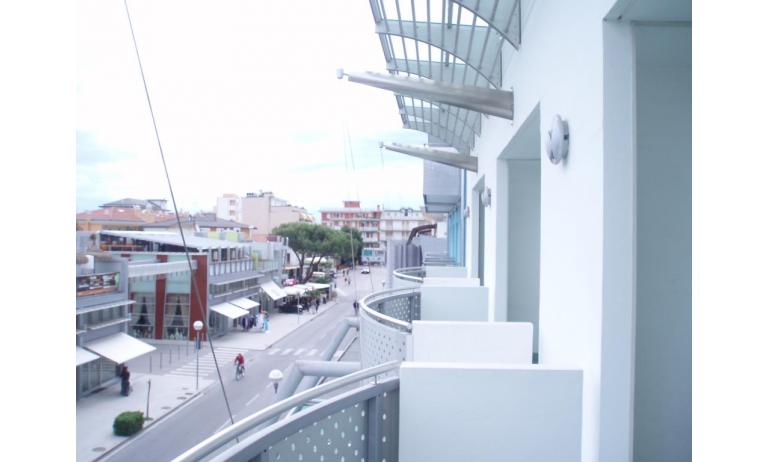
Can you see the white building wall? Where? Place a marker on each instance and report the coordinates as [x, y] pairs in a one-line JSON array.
[[559, 69]]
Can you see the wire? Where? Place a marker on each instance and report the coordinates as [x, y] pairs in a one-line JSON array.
[[176, 211]]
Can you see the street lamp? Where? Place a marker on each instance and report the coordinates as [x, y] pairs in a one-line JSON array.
[[275, 377], [198, 326]]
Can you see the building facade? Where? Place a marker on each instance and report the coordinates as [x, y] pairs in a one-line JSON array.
[[262, 211], [102, 319], [367, 221], [229, 276]]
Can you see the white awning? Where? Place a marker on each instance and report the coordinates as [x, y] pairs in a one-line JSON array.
[[229, 310], [245, 303], [84, 356], [318, 285], [299, 289], [274, 291], [119, 347]]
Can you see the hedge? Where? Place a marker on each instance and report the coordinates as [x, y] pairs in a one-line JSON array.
[[128, 423]]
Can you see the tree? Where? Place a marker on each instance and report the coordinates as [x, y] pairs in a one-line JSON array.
[[312, 243], [357, 241]]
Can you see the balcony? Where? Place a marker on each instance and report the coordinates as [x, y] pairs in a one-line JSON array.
[[408, 277], [429, 357]]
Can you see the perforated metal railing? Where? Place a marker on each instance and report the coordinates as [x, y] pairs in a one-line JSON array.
[[385, 324], [360, 424]]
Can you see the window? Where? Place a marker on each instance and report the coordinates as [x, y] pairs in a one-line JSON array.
[[143, 316], [176, 318]]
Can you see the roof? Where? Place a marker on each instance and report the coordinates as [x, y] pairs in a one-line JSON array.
[[122, 215], [207, 220], [141, 203], [171, 238]]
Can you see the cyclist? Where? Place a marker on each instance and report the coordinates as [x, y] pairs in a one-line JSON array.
[[240, 362]]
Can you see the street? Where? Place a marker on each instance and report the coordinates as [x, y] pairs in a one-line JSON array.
[[207, 413]]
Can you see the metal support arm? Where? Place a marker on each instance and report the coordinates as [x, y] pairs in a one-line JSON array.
[[442, 157], [484, 100]]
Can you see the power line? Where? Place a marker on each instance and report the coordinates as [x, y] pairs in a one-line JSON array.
[[176, 211]]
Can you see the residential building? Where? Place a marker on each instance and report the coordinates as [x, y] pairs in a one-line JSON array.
[[233, 280], [556, 326], [102, 316], [367, 221], [262, 211]]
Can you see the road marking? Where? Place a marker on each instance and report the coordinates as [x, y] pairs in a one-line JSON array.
[[312, 352], [286, 351], [273, 351], [226, 423], [298, 352], [252, 399]]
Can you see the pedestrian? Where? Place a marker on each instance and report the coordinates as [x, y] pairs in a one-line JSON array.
[[125, 381], [317, 305], [355, 306], [266, 321]]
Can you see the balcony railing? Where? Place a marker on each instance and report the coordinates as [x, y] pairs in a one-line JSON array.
[[361, 424], [385, 325], [413, 274]]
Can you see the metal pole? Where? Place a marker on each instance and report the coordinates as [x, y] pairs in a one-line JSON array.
[[197, 358], [150, 363], [149, 387], [161, 358]]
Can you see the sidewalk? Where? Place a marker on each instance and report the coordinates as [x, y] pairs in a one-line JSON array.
[[281, 324], [97, 412]]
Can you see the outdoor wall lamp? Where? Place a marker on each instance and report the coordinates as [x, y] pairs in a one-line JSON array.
[[558, 140]]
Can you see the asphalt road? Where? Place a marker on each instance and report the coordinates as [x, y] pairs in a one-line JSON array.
[[207, 413]]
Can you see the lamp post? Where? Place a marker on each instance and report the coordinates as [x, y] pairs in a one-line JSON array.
[[198, 326], [275, 377]]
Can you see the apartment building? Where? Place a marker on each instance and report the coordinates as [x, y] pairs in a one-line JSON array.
[[367, 221], [262, 211]]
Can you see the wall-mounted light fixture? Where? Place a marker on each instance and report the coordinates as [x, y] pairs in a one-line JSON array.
[[558, 140], [486, 197]]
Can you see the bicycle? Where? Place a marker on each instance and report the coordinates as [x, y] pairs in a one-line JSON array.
[[240, 371]]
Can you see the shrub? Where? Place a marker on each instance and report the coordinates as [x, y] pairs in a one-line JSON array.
[[128, 423]]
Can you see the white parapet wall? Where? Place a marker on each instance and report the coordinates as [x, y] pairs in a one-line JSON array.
[[446, 271], [472, 342], [451, 303], [451, 281], [489, 412]]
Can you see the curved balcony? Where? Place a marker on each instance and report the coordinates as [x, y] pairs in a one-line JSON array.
[[385, 324], [412, 274]]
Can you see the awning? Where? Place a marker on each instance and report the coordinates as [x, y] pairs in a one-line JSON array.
[[274, 291], [229, 310], [119, 347], [245, 303], [298, 289], [318, 285], [84, 356]]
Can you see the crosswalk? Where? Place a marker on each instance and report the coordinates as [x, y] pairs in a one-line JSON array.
[[293, 352], [226, 357]]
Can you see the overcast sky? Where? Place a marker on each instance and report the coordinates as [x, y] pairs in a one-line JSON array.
[[246, 99]]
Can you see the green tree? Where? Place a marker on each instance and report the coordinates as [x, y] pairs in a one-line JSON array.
[[357, 245], [312, 243]]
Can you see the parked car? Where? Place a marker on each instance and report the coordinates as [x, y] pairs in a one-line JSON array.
[[365, 270]]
